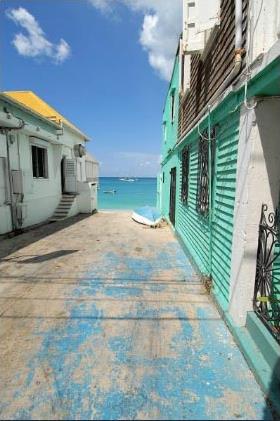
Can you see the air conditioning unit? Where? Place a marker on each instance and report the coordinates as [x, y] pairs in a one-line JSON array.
[[79, 150], [199, 18], [17, 181], [70, 176]]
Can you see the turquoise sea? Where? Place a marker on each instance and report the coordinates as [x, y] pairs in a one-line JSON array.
[[129, 195]]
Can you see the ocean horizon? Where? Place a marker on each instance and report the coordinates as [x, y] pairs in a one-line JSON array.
[[128, 195]]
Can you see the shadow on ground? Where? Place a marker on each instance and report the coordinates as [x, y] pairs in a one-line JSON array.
[[11, 245], [41, 258]]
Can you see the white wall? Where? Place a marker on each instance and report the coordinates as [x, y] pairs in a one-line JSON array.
[[40, 195], [258, 182], [69, 140], [264, 26], [92, 170]]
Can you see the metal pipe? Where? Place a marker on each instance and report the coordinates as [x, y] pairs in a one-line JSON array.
[[11, 201], [235, 70], [9, 122]]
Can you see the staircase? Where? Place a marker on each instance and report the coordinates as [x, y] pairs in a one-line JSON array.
[[63, 209]]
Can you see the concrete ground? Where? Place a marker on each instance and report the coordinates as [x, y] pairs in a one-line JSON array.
[[102, 318]]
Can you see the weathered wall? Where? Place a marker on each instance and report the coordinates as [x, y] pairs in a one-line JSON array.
[[258, 182], [170, 136], [210, 249], [264, 26], [40, 195], [206, 76]]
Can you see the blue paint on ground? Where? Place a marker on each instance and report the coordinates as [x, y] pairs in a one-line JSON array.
[[199, 374]]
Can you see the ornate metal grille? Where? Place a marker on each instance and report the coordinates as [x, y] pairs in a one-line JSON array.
[[172, 203], [202, 197], [202, 204], [185, 175], [266, 300]]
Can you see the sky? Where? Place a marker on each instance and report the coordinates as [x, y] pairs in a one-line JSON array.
[[103, 64]]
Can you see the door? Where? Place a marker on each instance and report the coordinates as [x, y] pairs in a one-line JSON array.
[[172, 200], [62, 172]]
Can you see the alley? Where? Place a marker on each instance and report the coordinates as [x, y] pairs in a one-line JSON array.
[[102, 318]]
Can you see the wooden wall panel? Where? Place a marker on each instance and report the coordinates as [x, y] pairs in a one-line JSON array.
[[208, 75]]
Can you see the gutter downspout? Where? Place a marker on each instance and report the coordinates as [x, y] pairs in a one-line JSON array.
[[236, 69], [14, 124], [11, 199]]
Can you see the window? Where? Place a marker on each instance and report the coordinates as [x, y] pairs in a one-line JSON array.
[[202, 197], [164, 131], [39, 162], [185, 175], [172, 105], [163, 177]]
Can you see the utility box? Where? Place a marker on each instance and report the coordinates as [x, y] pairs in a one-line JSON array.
[[3, 180], [17, 181]]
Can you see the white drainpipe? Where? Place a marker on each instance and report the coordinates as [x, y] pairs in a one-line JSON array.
[[9, 122]]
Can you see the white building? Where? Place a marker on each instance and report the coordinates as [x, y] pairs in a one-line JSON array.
[[44, 172]]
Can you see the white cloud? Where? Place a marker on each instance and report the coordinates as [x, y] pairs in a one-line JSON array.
[[103, 5], [160, 29], [35, 43], [63, 51], [140, 160]]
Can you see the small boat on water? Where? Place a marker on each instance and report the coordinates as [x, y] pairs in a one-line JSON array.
[[147, 215], [110, 191], [127, 179]]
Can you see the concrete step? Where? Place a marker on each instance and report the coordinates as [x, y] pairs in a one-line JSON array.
[[264, 340], [67, 201], [63, 208]]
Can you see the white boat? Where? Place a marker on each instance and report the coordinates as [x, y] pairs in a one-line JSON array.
[[109, 191], [127, 179], [147, 215]]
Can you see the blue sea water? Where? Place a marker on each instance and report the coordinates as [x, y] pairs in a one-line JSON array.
[[129, 195]]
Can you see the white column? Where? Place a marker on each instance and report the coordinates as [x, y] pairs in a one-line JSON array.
[[258, 181]]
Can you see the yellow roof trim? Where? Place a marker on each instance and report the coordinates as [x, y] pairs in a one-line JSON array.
[[35, 103]]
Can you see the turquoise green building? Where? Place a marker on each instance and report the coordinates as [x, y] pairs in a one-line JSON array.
[[220, 175]]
